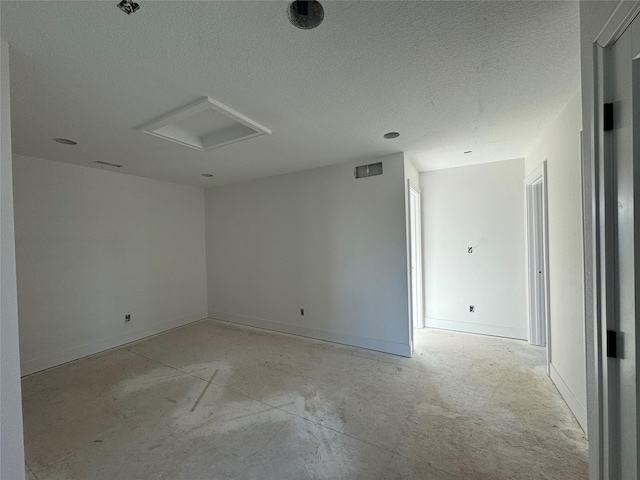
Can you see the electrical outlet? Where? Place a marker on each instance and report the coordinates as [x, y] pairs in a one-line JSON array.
[[127, 318], [472, 308], [302, 312]]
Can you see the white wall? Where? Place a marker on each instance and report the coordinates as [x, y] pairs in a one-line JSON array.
[[411, 172], [560, 147], [480, 206], [11, 436], [92, 246], [319, 240]]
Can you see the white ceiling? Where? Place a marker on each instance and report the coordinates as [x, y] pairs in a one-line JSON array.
[[449, 76]]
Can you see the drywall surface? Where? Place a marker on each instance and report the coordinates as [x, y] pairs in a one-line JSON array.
[[411, 172], [482, 207], [318, 240], [560, 147], [475, 74], [92, 246], [11, 436]]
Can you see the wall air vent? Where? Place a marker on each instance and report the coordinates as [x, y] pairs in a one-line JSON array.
[[204, 124], [368, 170]]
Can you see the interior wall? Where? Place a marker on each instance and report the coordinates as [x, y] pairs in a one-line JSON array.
[[479, 206], [318, 240], [92, 246], [411, 172], [560, 147], [11, 434]]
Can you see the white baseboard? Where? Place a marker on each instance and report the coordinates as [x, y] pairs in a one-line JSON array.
[[38, 364], [578, 410], [385, 346], [493, 330]]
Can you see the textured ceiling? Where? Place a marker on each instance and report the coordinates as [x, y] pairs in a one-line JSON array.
[[449, 76]]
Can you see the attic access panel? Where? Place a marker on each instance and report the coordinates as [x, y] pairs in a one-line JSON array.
[[204, 125]]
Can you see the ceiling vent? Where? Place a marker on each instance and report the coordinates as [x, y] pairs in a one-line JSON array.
[[368, 170], [204, 125]]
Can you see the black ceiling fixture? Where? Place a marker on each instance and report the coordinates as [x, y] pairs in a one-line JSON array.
[[128, 7], [306, 14], [391, 135]]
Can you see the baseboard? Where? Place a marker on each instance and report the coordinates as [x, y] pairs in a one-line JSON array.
[[36, 365], [493, 330], [578, 410], [385, 346]]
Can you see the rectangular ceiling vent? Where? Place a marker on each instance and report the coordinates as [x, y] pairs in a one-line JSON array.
[[370, 170], [204, 124]]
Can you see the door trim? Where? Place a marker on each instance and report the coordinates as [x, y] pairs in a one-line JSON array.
[[415, 191], [538, 176], [618, 22], [602, 395]]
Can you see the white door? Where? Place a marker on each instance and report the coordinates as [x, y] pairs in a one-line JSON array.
[[540, 269], [415, 240], [537, 271]]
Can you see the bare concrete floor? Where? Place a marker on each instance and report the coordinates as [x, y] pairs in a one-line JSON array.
[[218, 401]]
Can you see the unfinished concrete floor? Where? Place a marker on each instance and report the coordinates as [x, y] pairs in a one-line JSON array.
[[214, 400]]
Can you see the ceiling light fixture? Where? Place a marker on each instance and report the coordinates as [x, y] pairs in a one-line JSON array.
[[305, 14], [391, 135], [468, 151], [128, 7], [65, 141], [208, 175]]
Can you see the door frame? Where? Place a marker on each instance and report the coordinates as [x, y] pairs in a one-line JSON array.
[[535, 322], [601, 296], [415, 244]]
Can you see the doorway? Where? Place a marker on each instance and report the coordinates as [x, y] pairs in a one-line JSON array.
[[537, 259], [415, 251]]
